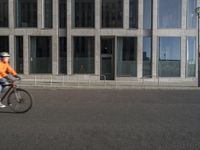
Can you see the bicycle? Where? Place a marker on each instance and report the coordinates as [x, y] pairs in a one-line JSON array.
[[18, 99]]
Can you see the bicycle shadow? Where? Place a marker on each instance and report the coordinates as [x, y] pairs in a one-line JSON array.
[[6, 111]]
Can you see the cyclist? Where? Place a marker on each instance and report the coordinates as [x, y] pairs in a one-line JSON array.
[[5, 69]]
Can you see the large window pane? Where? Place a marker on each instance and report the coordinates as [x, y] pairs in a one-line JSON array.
[[62, 13], [191, 57], [63, 55], [112, 13], [48, 13], [169, 57], [26, 13], [147, 57], [147, 10], [3, 13], [169, 13], [127, 56], [41, 55], [4, 44], [191, 16], [133, 14], [84, 13], [84, 55], [19, 54]]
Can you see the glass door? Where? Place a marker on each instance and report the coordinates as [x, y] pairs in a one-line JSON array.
[[107, 58]]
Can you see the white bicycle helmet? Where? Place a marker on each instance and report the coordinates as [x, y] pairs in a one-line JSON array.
[[4, 54]]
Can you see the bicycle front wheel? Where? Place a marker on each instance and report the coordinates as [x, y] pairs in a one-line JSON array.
[[19, 101]]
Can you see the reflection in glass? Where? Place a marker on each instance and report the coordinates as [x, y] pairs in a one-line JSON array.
[[19, 54], [41, 55], [147, 10], [169, 57], [133, 14], [48, 13], [84, 55], [191, 57], [127, 56], [3, 13], [26, 13], [84, 13], [147, 57], [191, 15], [112, 13], [63, 55], [62, 13], [169, 13]]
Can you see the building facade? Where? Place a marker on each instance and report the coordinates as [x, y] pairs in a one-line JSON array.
[[102, 39]]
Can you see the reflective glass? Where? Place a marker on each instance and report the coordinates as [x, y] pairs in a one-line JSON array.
[[133, 14], [147, 57], [4, 44], [127, 56], [84, 13], [147, 10], [112, 13], [191, 57], [169, 56], [19, 54], [48, 13], [3, 13], [191, 14], [63, 55], [169, 14], [41, 55], [84, 55], [26, 13], [62, 13]]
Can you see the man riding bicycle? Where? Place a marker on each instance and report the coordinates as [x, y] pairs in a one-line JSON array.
[[5, 69]]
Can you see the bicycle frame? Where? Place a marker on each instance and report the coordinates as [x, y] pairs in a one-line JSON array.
[[12, 86]]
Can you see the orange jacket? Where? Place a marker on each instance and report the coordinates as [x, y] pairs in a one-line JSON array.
[[5, 69]]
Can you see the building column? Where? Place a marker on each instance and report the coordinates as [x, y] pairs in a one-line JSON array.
[[126, 14], [155, 40], [140, 41], [40, 14], [69, 38], [11, 14], [26, 54], [97, 37], [12, 50], [183, 39], [55, 38]]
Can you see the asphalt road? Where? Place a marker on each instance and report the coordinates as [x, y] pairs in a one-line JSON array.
[[80, 119]]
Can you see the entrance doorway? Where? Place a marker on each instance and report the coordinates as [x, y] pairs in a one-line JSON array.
[[107, 58]]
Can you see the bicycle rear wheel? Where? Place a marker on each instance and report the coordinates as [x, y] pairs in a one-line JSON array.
[[19, 101]]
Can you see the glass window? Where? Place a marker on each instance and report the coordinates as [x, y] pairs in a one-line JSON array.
[[3, 13], [19, 54], [127, 56], [191, 16], [112, 13], [84, 13], [4, 44], [48, 14], [169, 13], [63, 55], [147, 10], [191, 57], [26, 13], [84, 55], [169, 57], [62, 13], [147, 57], [41, 55], [133, 14]]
